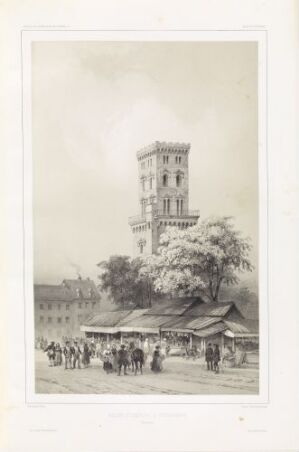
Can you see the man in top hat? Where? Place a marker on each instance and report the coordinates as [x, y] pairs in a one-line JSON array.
[[122, 359], [68, 354], [209, 357], [77, 355]]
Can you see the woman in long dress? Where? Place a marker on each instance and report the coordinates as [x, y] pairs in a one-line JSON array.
[[156, 364], [58, 355], [86, 355], [107, 360], [114, 358]]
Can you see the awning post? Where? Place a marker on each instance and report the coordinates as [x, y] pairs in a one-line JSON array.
[[222, 344]]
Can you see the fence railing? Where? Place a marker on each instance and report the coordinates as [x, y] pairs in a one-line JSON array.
[[183, 214], [137, 219]]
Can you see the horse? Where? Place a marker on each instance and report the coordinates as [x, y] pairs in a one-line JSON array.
[[137, 360]]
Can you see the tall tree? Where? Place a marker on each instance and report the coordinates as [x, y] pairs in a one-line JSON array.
[[120, 277], [198, 260]]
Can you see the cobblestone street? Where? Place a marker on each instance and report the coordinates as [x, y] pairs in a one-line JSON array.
[[179, 376]]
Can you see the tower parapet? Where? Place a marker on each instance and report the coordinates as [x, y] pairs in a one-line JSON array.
[[163, 194]]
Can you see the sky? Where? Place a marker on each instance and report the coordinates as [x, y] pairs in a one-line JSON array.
[[95, 104]]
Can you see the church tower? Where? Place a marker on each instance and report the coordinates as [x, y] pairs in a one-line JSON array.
[[163, 194]]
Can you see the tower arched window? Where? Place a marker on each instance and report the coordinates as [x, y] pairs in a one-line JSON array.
[[178, 180], [165, 180]]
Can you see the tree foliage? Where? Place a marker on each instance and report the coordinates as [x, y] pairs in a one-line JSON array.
[[198, 260], [121, 278]]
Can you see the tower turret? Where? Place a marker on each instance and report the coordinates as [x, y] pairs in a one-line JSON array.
[[163, 194]]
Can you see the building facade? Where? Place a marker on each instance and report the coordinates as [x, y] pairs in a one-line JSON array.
[[163, 176], [59, 310]]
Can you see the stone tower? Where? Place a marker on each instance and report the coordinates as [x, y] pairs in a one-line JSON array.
[[163, 194]]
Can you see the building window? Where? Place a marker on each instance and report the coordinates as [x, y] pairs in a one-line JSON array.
[[141, 244], [94, 304], [178, 180], [49, 307], [41, 319], [67, 320], [143, 184], [79, 318], [58, 306], [58, 319], [178, 159], [86, 304], [151, 183], [49, 319], [166, 206], [177, 206], [143, 205], [41, 306], [80, 305], [181, 212], [165, 159], [67, 307], [165, 180]]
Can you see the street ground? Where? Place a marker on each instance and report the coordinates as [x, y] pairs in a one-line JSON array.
[[179, 376]]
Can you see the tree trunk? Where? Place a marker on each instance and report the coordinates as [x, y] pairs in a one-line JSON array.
[[150, 295]]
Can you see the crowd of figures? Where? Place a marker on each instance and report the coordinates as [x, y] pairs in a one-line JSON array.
[[116, 356], [73, 353], [213, 357], [133, 354]]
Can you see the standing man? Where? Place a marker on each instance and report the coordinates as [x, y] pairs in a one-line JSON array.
[[122, 359], [209, 357], [50, 349], [216, 358], [68, 354], [77, 355]]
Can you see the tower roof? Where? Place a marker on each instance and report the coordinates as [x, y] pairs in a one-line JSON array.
[[163, 146]]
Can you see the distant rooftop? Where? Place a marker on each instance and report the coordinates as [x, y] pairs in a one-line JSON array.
[[69, 290], [163, 146]]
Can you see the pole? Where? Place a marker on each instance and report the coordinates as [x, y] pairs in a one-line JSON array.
[[222, 344], [121, 337]]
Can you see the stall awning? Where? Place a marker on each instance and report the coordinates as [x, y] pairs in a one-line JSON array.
[[99, 329], [145, 324], [211, 331], [243, 328], [174, 306], [188, 324]]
